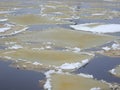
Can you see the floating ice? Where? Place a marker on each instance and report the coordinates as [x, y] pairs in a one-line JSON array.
[[15, 47], [76, 49], [107, 28]]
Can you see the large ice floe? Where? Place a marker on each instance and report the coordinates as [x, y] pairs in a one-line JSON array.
[[49, 58], [66, 81], [97, 28], [75, 40]]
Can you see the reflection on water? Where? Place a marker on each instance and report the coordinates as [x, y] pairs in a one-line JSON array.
[[14, 79]]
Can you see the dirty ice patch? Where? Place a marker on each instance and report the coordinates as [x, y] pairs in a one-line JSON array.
[[71, 66], [107, 28], [15, 47]]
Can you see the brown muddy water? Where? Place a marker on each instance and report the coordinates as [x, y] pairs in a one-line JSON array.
[[36, 36]]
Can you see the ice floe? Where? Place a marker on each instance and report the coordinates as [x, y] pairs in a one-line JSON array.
[[106, 28]]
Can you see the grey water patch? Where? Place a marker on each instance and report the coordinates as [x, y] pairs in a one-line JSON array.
[[41, 27], [14, 79], [106, 21], [99, 67], [99, 48], [48, 26], [27, 11], [3, 47]]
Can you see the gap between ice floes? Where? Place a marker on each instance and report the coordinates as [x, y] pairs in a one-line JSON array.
[[106, 28]]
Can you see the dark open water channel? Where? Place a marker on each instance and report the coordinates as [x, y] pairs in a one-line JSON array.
[[99, 67], [16, 79]]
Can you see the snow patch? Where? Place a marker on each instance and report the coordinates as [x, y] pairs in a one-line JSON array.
[[4, 29], [107, 28], [86, 75], [106, 48], [36, 63], [47, 85], [115, 46], [15, 47], [70, 66], [2, 20], [95, 88]]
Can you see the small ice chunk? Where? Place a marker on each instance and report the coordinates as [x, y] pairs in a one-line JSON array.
[[106, 48], [85, 61], [15, 47], [112, 71], [95, 88], [48, 47], [48, 73], [70, 65], [4, 29], [2, 20], [115, 46], [76, 49], [36, 63], [97, 14], [86, 75]]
